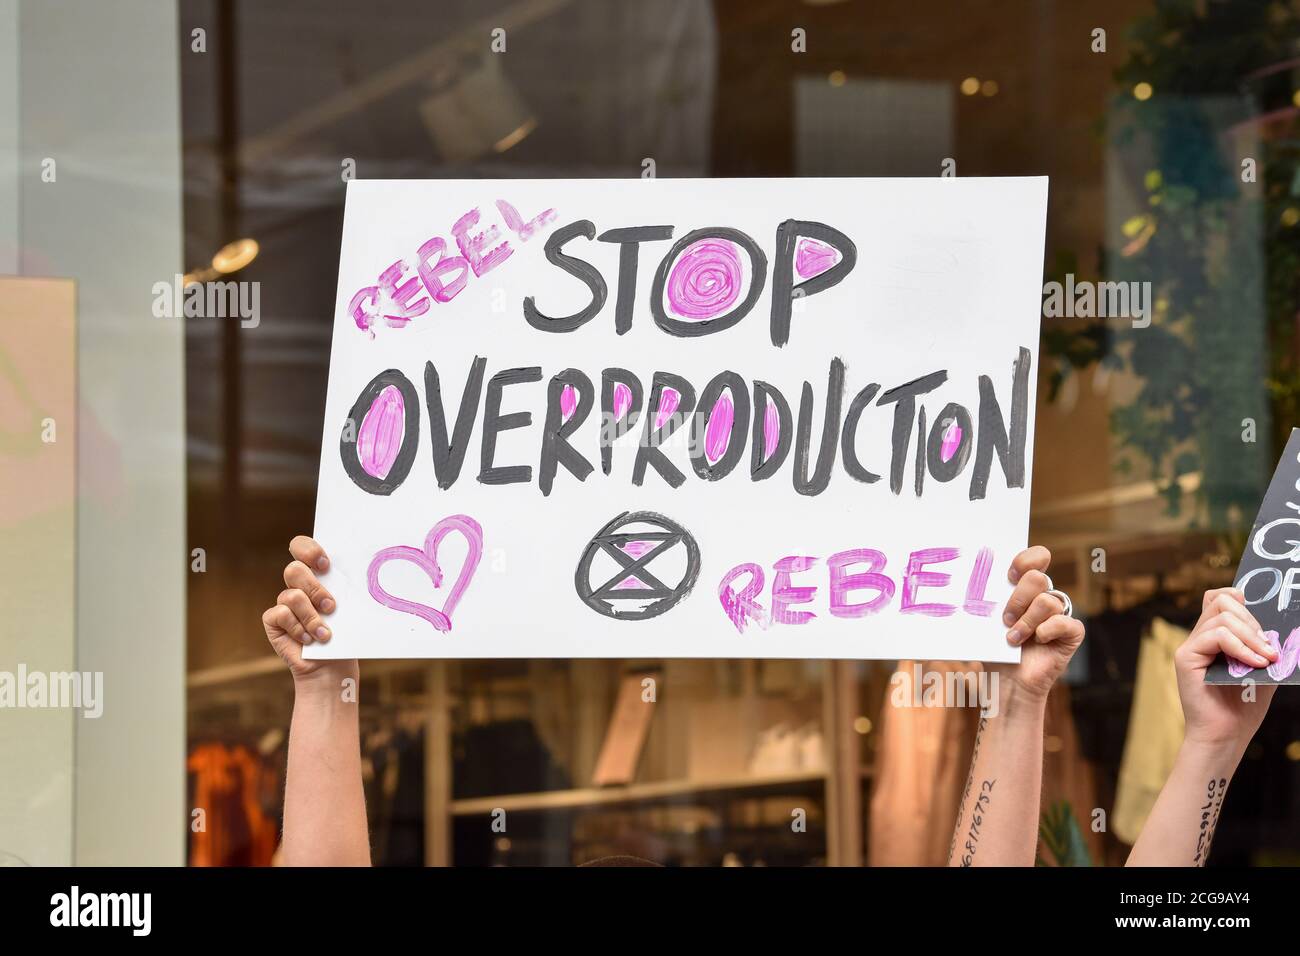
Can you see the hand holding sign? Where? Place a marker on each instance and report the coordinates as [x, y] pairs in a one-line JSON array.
[[1038, 624], [296, 620], [1223, 715]]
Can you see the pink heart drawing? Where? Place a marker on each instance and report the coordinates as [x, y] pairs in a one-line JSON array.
[[427, 561]]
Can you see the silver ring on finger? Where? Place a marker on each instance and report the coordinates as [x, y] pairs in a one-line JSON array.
[[1064, 599]]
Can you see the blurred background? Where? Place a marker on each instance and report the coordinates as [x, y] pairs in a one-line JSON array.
[[212, 139]]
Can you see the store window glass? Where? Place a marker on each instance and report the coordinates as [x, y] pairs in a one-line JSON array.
[[1167, 388]]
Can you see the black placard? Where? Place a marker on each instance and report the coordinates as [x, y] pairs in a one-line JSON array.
[[1269, 575]]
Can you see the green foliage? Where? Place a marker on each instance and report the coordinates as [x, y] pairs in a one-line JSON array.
[[1060, 834]]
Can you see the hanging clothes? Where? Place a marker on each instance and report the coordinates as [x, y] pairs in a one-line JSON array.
[[234, 788], [394, 787], [1102, 706], [1155, 730]]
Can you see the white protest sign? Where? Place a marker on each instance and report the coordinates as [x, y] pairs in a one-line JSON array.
[[787, 418]]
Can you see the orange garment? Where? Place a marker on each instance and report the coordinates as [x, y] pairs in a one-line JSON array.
[[229, 787]]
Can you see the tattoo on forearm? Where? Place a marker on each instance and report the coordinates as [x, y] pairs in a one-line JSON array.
[[976, 820], [970, 781], [1209, 818]]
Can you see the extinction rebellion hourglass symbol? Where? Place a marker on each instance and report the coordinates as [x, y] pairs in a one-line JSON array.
[[638, 566]]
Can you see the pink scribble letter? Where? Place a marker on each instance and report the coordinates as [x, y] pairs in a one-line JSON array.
[[742, 607], [516, 224], [472, 246], [432, 275], [362, 316], [402, 295], [978, 585], [915, 578], [784, 594], [842, 584]]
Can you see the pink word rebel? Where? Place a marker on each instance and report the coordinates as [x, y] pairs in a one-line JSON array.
[[398, 296], [857, 585]]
